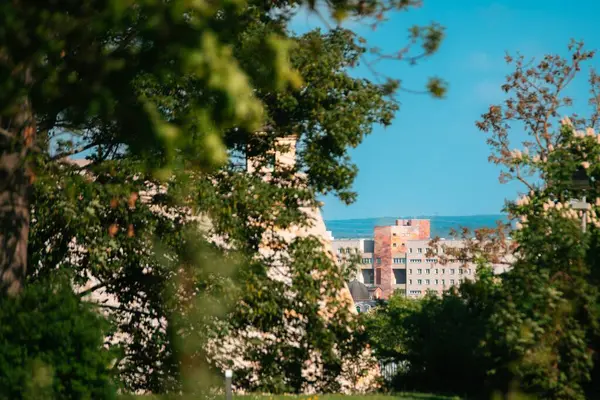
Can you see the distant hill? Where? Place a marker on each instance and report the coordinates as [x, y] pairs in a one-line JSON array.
[[440, 226]]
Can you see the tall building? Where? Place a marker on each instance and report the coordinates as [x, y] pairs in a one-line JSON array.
[[390, 251], [399, 258]]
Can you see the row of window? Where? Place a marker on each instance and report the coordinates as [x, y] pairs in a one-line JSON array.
[[419, 291], [451, 271], [349, 250], [396, 260], [428, 281], [400, 260]]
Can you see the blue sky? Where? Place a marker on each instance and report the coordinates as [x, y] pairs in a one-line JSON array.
[[432, 159]]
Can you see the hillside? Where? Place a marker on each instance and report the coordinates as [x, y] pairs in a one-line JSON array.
[[440, 226]]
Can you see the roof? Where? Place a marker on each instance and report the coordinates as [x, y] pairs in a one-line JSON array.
[[358, 290]]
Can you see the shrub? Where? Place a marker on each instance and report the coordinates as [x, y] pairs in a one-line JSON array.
[[51, 346]]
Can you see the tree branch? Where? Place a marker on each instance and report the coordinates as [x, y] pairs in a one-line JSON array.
[[6, 133], [521, 179], [120, 308], [74, 151], [92, 289]]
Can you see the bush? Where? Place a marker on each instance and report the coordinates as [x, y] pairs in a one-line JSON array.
[[438, 339], [51, 347]]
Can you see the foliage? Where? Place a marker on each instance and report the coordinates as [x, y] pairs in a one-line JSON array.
[[547, 325], [51, 347], [422, 336], [395, 396], [166, 99], [534, 329], [294, 332], [386, 328], [538, 331]]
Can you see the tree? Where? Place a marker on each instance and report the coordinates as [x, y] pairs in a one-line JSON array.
[[76, 68], [72, 75], [544, 333], [437, 341], [159, 94], [535, 327]]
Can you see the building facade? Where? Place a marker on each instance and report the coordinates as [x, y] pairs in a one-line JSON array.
[[357, 250], [399, 258]]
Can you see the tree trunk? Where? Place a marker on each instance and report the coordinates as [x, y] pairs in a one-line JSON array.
[[16, 139]]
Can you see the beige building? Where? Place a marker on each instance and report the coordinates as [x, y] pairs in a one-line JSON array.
[[359, 251], [425, 274]]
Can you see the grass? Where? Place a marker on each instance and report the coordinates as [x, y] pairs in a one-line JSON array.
[[396, 396]]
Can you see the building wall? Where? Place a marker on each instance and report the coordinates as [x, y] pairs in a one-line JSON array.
[[383, 258], [391, 246], [346, 249], [425, 273], [409, 229]]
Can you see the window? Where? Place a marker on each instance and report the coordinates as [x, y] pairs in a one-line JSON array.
[[271, 161], [420, 250], [431, 260], [394, 245], [348, 250], [410, 281], [419, 281], [378, 260], [367, 261], [469, 271], [368, 276], [419, 271], [341, 251], [415, 260], [378, 276], [410, 271], [410, 250], [415, 292], [437, 271], [452, 271], [460, 271], [452, 281], [427, 271], [437, 282], [400, 276], [394, 234], [443, 281], [427, 282], [397, 261]]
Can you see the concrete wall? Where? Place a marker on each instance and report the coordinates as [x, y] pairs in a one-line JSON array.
[[346, 249]]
